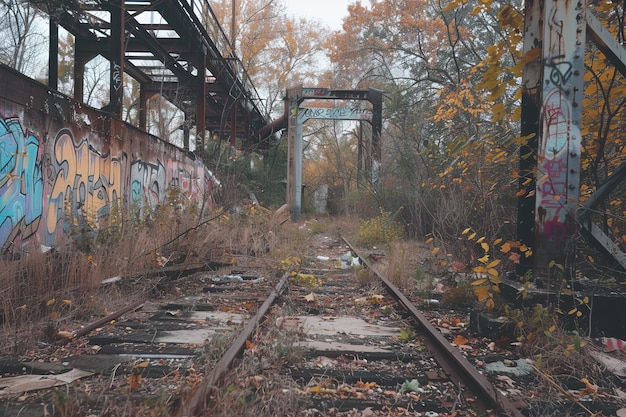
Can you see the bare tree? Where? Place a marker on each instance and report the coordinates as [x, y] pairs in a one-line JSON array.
[[22, 36]]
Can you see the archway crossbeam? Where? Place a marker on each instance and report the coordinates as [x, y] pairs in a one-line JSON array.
[[296, 116]]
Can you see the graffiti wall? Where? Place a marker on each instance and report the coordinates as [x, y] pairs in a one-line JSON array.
[[62, 163]]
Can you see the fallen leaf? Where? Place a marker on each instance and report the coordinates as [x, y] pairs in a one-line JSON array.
[[310, 297], [460, 340], [514, 257]]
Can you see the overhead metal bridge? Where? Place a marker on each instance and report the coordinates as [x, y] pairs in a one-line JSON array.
[[175, 48]]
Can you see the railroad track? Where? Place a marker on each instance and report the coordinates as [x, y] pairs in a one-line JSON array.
[[344, 373], [337, 347]]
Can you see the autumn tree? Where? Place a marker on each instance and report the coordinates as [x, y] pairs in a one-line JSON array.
[[448, 137], [276, 50]]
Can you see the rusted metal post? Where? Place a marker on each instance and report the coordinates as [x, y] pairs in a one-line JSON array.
[[143, 107], [293, 100], [555, 84], [53, 55], [201, 106], [117, 38], [80, 59]]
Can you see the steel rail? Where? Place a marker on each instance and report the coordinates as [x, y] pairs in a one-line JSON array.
[[458, 368], [209, 382]]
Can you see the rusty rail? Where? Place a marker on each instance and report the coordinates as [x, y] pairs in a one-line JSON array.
[[210, 381], [447, 356]]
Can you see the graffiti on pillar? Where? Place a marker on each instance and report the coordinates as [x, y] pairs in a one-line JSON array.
[[559, 140], [148, 184], [117, 76], [87, 184], [21, 183], [336, 113]]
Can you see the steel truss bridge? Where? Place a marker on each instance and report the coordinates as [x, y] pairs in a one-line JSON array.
[[175, 48]]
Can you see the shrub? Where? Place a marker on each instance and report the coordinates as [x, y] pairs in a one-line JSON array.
[[380, 229]]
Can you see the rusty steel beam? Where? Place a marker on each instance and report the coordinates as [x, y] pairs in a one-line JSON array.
[[116, 78], [603, 39], [555, 85]]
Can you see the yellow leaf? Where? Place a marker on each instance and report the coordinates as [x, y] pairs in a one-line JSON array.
[[480, 240], [492, 272], [493, 263], [22, 307], [68, 302], [481, 293], [572, 311], [472, 236], [466, 231], [497, 241], [435, 251], [484, 259], [506, 248], [430, 239], [50, 302], [479, 281], [485, 246], [479, 269], [490, 304]]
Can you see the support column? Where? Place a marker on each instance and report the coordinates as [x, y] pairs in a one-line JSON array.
[[53, 55], [359, 156], [293, 100], [144, 96], [201, 106], [81, 57], [117, 38], [531, 103], [186, 132], [558, 152]]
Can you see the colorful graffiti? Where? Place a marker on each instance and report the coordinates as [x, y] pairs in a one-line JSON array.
[[62, 177], [148, 184], [90, 183], [21, 183]]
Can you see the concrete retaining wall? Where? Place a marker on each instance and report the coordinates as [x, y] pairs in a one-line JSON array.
[[63, 163]]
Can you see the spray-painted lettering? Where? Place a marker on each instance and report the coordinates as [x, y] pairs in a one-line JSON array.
[[87, 184], [21, 184], [148, 183]]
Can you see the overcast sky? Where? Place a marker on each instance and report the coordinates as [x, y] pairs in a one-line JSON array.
[[329, 12]]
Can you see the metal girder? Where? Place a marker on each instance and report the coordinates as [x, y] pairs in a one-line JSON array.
[[159, 55], [552, 99], [609, 46], [553, 89]]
